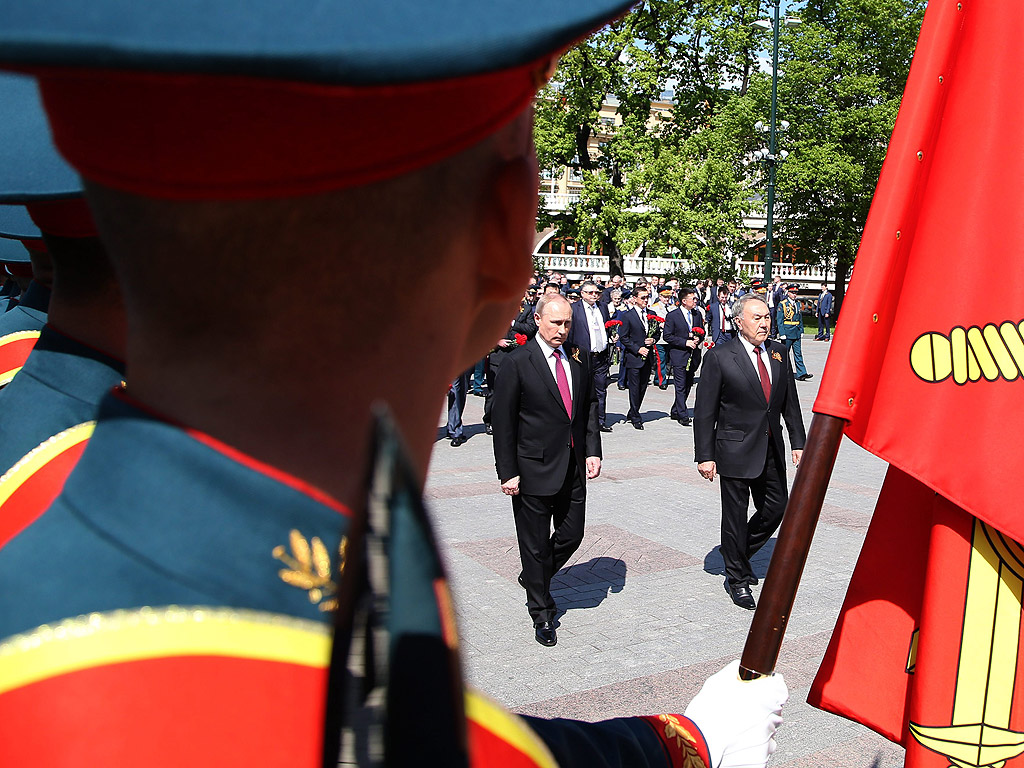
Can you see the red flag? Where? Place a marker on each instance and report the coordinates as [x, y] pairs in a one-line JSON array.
[[927, 367]]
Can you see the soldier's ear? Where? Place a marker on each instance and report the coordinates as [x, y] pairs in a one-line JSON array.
[[509, 211], [500, 253]]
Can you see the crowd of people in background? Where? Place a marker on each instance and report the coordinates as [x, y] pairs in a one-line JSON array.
[[674, 359]]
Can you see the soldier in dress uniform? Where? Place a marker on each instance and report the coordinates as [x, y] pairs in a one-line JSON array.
[[791, 329], [15, 271], [46, 411], [20, 326], [194, 551]]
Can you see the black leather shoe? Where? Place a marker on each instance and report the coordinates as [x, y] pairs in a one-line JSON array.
[[521, 582], [489, 429], [740, 594], [754, 581], [457, 441], [685, 421], [606, 429], [805, 377], [663, 386], [545, 633], [621, 386], [638, 425]]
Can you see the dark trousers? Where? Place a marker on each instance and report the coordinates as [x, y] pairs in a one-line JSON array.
[[479, 371], [599, 362], [683, 382], [799, 369], [457, 403], [542, 551], [636, 382], [824, 331], [661, 367], [742, 538], [622, 365]]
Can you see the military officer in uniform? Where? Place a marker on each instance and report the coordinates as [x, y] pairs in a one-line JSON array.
[[48, 408], [791, 329], [20, 327], [196, 544]]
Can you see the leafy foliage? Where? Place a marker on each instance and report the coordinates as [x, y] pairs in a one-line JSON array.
[[675, 182]]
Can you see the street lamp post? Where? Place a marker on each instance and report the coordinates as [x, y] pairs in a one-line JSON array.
[[771, 158]]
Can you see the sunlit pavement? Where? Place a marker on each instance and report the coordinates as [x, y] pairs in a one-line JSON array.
[[643, 615]]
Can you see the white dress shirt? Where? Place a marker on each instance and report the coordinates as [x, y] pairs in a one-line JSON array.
[[547, 349], [595, 320], [752, 357]]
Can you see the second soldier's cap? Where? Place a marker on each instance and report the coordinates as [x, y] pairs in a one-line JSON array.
[[12, 252], [224, 99], [33, 173]]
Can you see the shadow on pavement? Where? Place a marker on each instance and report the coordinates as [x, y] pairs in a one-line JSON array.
[[715, 565], [586, 585]]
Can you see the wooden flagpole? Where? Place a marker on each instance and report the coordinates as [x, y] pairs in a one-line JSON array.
[[764, 639]]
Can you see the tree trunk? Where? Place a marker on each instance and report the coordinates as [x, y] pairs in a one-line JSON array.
[[616, 265], [844, 265]]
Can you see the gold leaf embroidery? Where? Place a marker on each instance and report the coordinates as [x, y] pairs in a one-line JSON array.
[[576, 354], [685, 741], [309, 568], [776, 356]]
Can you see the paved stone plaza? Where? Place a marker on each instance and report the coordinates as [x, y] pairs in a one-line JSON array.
[[644, 616]]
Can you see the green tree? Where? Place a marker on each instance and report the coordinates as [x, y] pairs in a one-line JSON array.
[[671, 182], [842, 76]]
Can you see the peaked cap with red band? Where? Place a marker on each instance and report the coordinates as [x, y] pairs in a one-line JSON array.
[[192, 99], [32, 172]]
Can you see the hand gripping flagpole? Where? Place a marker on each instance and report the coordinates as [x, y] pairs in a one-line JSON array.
[[764, 639]]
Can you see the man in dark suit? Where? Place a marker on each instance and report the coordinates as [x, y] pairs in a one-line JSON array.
[[588, 334], [720, 327], [746, 385], [683, 350], [637, 346], [825, 306], [523, 325], [546, 446]]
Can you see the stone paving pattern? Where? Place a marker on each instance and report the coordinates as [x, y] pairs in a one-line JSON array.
[[644, 617]]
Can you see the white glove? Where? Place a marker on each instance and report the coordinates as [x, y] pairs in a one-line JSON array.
[[738, 717]]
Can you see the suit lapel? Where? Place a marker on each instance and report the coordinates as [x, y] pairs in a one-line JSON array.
[[576, 369], [777, 370], [747, 368], [537, 357], [581, 316]]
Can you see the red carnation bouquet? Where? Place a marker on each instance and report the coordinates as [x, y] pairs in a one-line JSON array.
[[654, 322], [520, 339], [696, 334], [612, 327]]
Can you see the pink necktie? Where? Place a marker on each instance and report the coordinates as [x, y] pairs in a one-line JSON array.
[[563, 382]]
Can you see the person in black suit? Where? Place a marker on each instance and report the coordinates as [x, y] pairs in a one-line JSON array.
[[746, 385], [637, 347], [546, 446], [588, 334], [719, 330], [683, 350], [523, 325]]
